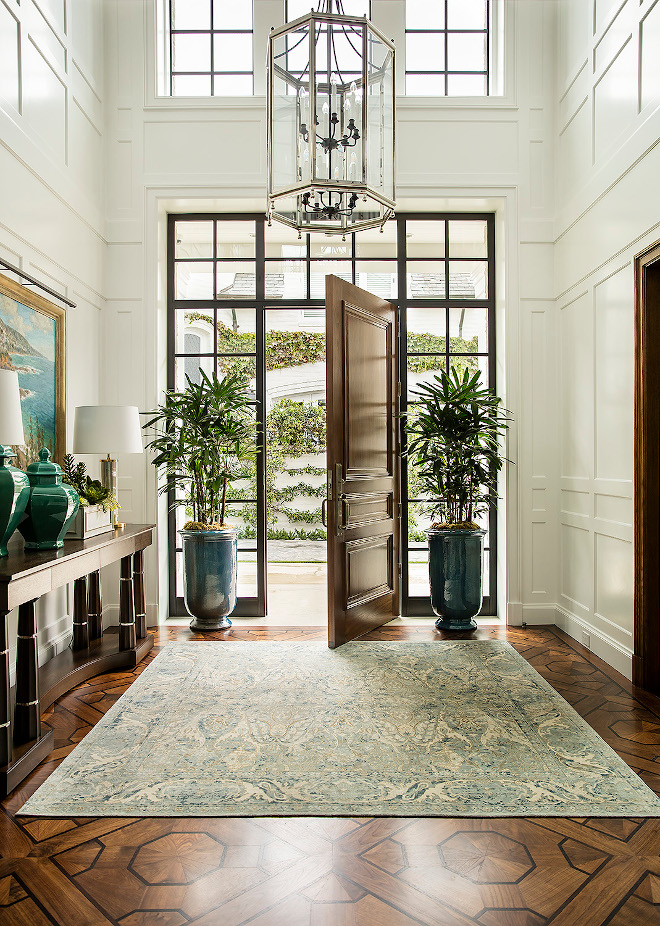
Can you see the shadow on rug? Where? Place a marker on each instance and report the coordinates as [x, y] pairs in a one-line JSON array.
[[458, 728]]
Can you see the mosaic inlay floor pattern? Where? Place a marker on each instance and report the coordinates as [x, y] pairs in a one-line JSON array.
[[76, 871]]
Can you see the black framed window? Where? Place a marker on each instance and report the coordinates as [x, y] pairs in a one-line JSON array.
[[446, 290], [227, 273], [210, 48], [448, 47]]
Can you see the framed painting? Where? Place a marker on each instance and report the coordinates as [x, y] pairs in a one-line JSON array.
[[32, 342]]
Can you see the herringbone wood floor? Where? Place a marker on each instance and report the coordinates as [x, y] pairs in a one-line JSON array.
[[345, 872]]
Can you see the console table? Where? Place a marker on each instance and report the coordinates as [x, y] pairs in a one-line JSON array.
[[26, 575]]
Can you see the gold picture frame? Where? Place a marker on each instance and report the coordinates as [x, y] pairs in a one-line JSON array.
[[33, 342]]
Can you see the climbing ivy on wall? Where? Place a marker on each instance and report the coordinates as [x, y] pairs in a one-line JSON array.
[[283, 348], [296, 427], [433, 344], [293, 348]]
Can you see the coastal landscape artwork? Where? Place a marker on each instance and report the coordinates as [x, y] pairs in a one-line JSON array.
[[32, 343]]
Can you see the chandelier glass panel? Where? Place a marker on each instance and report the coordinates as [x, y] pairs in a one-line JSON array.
[[331, 106]]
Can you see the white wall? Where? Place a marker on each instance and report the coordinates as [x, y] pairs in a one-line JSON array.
[[568, 158], [52, 170], [608, 162], [178, 155]]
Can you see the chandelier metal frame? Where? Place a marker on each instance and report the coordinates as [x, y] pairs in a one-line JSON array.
[[321, 198]]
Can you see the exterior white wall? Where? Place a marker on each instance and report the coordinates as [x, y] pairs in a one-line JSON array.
[[53, 204], [608, 161], [177, 155]]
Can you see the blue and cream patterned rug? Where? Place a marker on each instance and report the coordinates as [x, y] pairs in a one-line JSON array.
[[460, 728]]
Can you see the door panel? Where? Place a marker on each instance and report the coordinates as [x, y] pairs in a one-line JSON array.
[[363, 461], [365, 509], [368, 383], [368, 569]]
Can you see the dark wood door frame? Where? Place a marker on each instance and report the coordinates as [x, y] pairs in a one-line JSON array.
[[646, 491]]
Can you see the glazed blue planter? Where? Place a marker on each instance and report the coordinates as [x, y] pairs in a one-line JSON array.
[[210, 566], [456, 576]]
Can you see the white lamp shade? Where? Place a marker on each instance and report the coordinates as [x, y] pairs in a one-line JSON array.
[[11, 417], [107, 429]]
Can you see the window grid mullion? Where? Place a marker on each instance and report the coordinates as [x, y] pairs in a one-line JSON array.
[[443, 34], [171, 50], [211, 32], [413, 603], [488, 33]]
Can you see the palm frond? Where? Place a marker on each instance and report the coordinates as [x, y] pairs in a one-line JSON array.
[[454, 438]]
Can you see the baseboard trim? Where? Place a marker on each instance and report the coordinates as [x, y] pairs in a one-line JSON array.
[[601, 644], [514, 614], [536, 614], [56, 644]]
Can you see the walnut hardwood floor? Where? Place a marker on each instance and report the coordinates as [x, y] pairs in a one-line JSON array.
[[345, 872]]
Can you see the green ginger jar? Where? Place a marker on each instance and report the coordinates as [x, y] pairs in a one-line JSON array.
[[14, 496], [51, 508]]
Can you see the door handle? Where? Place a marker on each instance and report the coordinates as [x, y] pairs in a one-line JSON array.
[[339, 496], [323, 518]]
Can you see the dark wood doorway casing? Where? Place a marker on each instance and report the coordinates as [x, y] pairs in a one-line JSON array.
[[364, 512], [646, 493]]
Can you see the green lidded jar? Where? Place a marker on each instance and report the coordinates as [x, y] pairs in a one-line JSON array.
[[51, 508], [14, 496]]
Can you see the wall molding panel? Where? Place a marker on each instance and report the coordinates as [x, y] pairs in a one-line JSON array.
[[606, 213], [568, 160], [619, 77], [52, 163]]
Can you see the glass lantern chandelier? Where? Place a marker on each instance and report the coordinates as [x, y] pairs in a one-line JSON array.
[[330, 123]]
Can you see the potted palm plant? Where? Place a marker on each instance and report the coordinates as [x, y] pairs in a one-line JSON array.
[[204, 436], [454, 442]]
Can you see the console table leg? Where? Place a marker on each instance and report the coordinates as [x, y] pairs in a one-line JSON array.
[[126, 606], [94, 606], [27, 713], [138, 595], [80, 625], [5, 721]]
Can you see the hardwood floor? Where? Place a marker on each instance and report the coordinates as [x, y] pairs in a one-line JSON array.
[[345, 872]]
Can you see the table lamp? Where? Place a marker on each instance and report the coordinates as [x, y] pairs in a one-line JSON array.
[[105, 428], [14, 483]]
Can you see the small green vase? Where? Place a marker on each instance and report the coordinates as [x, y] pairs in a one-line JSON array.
[[14, 496], [51, 508]]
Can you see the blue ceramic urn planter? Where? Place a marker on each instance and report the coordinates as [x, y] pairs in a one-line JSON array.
[[210, 566], [456, 576]]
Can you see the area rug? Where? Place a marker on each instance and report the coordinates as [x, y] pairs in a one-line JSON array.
[[464, 728]]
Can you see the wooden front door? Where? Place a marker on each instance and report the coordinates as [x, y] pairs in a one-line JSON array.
[[363, 461]]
